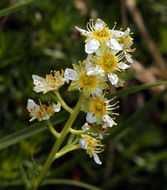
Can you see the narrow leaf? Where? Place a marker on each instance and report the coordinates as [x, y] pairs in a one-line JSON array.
[[15, 7], [69, 182], [117, 130], [29, 131], [127, 91]]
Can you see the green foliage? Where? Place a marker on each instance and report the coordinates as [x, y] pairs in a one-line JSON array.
[[37, 36]]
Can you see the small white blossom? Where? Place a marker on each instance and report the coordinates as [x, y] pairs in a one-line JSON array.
[[41, 112], [92, 147], [51, 82]]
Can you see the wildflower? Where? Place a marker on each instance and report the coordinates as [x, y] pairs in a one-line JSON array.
[[97, 34], [42, 111], [92, 147], [99, 111], [108, 63], [91, 85], [94, 130], [52, 81]]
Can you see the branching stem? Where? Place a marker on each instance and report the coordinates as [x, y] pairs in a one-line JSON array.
[[56, 146]]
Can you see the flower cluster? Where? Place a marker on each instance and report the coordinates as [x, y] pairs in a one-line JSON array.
[[109, 54]]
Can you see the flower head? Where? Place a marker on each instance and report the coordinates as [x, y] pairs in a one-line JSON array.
[[97, 131], [42, 111], [52, 81], [109, 63], [90, 84], [99, 111], [92, 147]]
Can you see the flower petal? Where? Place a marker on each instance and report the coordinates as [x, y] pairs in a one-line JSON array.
[[85, 127], [96, 159], [57, 107], [126, 32], [110, 122], [91, 46], [70, 74], [83, 32], [83, 144], [117, 33], [31, 105], [90, 117], [91, 70], [128, 58], [113, 44], [122, 65], [97, 92], [99, 25], [46, 117], [39, 84], [113, 78]]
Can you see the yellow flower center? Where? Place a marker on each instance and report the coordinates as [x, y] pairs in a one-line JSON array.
[[101, 34], [93, 145], [99, 107], [125, 41], [87, 81], [108, 62]]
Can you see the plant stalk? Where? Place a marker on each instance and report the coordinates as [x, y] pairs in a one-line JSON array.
[[56, 146]]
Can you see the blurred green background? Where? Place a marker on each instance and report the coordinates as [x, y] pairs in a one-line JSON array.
[[40, 37]]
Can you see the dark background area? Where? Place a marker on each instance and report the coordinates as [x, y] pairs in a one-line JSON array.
[[41, 37]]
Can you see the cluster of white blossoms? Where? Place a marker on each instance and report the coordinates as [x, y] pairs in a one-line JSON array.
[[108, 56]]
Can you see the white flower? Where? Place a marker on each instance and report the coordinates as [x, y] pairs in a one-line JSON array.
[[51, 82], [113, 78], [90, 84], [99, 111], [41, 112], [92, 147], [95, 34]]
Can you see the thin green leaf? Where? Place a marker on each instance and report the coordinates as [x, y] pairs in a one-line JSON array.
[[29, 131], [15, 7], [69, 182], [25, 177], [119, 131], [127, 91]]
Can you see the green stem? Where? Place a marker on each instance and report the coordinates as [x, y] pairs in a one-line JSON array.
[[56, 146], [61, 153], [52, 130], [62, 102], [77, 132]]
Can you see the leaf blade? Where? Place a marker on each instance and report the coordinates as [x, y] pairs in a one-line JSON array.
[[15, 7], [127, 91]]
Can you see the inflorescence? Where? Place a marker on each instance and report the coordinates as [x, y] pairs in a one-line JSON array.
[[109, 54]]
